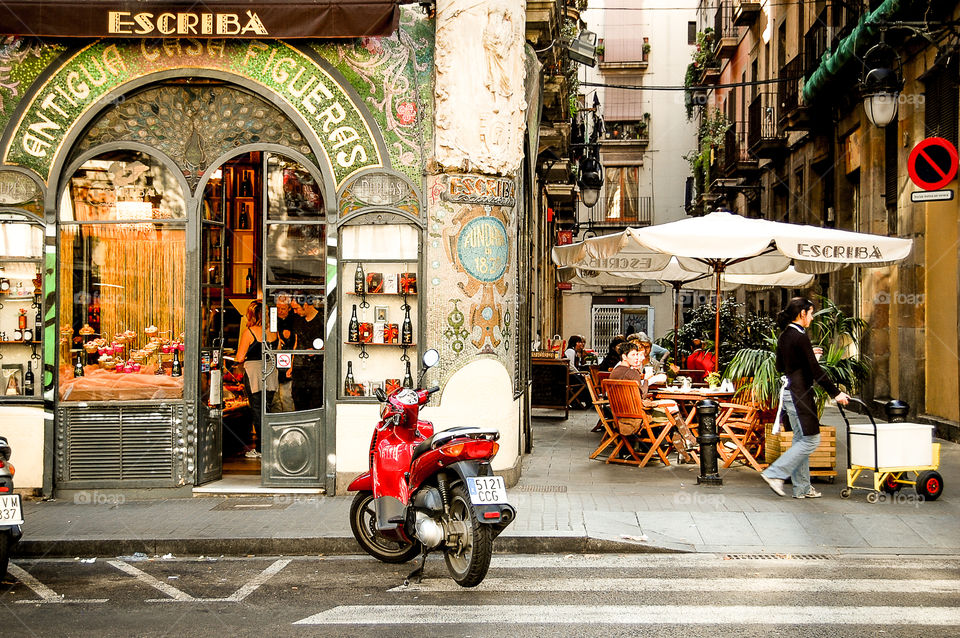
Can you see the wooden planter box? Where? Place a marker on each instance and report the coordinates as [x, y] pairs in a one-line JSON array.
[[823, 461]]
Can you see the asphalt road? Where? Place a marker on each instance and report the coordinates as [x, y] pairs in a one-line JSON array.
[[546, 595]]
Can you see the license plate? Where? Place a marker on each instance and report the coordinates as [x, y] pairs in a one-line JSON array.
[[487, 490], [10, 512]]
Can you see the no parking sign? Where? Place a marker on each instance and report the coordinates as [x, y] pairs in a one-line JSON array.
[[932, 165], [284, 360]]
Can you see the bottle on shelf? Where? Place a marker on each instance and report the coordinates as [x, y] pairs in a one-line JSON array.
[[248, 282], [348, 381], [407, 377], [22, 319], [353, 331], [215, 248], [175, 369], [78, 367], [358, 280], [246, 185], [37, 326], [406, 331], [243, 222], [28, 380]]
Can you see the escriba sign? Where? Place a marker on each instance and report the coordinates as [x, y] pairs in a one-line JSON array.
[[191, 19]]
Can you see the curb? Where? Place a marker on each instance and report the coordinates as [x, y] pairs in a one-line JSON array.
[[330, 546]]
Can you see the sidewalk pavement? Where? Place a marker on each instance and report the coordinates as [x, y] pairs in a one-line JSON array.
[[565, 502]]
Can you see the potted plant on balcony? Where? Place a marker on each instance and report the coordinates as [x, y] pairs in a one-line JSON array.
[[646, 49], [599, 51]]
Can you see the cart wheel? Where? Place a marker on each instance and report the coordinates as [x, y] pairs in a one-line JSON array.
[[872, 497], [930, 485], [890, 484], [846, 492], [830, 479]]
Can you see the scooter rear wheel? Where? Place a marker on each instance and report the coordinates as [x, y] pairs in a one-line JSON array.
[[4, 553], [468, 560], [363, 522]]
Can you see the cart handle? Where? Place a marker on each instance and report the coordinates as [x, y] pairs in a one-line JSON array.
[[876, 451]]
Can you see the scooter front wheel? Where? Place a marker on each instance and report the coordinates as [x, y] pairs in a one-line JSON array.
[[363, 522], [468, 558]]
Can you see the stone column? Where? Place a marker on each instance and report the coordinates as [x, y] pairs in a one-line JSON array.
[[472, 200]]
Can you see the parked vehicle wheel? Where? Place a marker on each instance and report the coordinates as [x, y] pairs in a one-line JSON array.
[[930, 485], [846, 492], [4, 554], [468, 558], [363, 522], [890, 484], [872, 497]]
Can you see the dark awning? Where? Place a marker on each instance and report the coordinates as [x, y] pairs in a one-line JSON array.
[[193, 19]]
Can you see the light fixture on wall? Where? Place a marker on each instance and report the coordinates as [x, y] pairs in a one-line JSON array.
[[590, 172], [881, 84]]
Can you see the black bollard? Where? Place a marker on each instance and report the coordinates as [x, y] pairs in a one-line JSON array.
[[897, 411], [707, 418]]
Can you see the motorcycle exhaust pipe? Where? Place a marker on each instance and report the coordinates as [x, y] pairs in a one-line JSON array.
[[428, 531]]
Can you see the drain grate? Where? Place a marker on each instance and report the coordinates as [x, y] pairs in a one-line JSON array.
[[252, 504], [540, 488], [777, 557]]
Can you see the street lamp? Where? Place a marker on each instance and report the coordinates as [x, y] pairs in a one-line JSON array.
[[881, 85], [590, 180]]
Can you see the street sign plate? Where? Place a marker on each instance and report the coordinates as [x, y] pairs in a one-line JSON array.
[[932, 163], [931, 196], [284, 360]]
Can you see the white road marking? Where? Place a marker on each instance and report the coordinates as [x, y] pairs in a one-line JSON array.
[[759, 585], [147, 579], [47, 595], [583, 615], [238, 595], [615, 561]]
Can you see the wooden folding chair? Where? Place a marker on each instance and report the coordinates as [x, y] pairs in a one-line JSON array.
[[626, 402], [605, 422], [739, 424]]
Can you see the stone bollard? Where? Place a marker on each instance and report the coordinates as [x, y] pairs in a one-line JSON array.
[[707, 418], [897, 411]]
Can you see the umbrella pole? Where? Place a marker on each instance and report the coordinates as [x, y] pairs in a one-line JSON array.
[[716, 326], [676, 322]]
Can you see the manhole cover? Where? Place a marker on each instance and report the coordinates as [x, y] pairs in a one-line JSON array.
[[252, 504], [540, 488]]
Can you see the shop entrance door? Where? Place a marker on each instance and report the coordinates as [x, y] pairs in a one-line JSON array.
[[210, 375], [297, 266]]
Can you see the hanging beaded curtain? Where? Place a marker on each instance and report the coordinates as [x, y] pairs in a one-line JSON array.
[[138, 272]]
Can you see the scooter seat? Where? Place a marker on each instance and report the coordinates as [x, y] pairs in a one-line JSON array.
[[441, 438]]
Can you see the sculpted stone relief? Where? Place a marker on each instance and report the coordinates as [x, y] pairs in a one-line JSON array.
[[480, 109]]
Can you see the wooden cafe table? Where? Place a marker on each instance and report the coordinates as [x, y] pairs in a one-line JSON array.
[[687, 399]]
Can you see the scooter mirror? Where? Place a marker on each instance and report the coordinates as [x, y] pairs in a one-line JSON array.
[[430, 358], [381, 395]]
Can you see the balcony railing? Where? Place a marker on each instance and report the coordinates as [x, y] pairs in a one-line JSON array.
[[626, 131], [815, 44], [636, 211], [788, 89], [736, 151], [762, 122], [726, 33]]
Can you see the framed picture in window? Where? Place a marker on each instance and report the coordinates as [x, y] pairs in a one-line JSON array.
[[11, 375], [380, 314]]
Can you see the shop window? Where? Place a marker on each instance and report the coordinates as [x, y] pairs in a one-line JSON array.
[[122, 285], [21, 321], [379, 321]]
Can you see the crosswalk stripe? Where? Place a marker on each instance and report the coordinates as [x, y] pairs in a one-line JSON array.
[[583, 615], [613, 561], [757, 585]]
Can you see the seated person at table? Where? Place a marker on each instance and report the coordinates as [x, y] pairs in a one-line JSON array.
[[656, 355], [613, 356], [702, 358], [572, 354], [630, 368]]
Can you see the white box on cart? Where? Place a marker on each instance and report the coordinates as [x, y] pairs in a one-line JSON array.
[[898, 444]]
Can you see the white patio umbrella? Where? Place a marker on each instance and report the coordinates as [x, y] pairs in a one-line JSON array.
[[722, 242]]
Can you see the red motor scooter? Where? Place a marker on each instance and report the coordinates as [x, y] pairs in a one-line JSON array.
[[427, 491]]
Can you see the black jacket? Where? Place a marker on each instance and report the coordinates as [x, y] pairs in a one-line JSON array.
[[796, 360]]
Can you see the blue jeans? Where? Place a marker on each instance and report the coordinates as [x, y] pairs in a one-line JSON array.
[[795, 462]]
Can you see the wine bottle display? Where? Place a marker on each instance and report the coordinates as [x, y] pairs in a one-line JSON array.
[[28, 380], [406, 332], [348, 381], [353, 331], [407, 377], [175, 370], [78, 368], [244, 221], [248, 282], [37, 326], [358, 280]]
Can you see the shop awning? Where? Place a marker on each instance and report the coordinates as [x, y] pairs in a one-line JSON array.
[[191, 19]]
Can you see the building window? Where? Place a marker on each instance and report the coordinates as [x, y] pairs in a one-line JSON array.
[[890, 171], [942, 96], [691, 33], [622, 194]]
